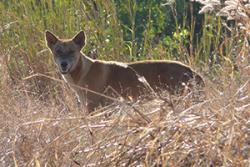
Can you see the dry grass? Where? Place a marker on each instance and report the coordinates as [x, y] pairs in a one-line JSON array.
[[237, 10], [154, 131], [41, 124]]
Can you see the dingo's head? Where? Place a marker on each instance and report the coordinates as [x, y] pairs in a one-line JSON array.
[[66, 52]]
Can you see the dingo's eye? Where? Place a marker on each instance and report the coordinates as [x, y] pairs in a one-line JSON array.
[[59, 52], [70, 52]]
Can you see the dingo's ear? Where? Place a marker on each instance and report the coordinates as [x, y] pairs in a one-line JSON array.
[[79, 39], [50, 38]]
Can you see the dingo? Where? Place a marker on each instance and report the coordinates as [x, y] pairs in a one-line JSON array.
[[78, 69]]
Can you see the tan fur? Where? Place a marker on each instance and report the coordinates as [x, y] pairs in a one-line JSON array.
[[78, 69]]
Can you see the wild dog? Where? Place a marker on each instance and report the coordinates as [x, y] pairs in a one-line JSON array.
[[96, 75]]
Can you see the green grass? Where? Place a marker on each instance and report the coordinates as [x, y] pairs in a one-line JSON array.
[[24, 22]]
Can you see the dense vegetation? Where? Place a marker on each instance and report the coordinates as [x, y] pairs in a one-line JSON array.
[[39, 118]]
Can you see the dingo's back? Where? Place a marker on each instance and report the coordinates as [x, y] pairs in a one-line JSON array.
[[170, 75], [122, 78]]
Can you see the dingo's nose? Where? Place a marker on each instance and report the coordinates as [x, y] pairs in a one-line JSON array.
[[64, 65]]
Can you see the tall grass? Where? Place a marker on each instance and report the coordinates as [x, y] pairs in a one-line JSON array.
[[42, 125], [24, 22]]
